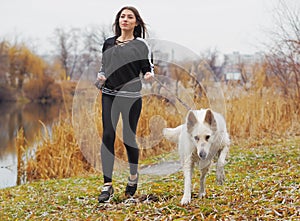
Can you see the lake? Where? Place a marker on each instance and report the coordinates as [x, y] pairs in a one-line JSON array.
[[14, 116]]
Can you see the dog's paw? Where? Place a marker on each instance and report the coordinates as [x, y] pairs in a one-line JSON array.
[[185, 200], [220, 182], [220, 178], [201, 195]]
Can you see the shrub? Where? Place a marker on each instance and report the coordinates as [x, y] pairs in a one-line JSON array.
[[7, 93], [43, 89]]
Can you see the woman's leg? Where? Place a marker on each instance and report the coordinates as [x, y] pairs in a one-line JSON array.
[[130, 115], [110, 116]]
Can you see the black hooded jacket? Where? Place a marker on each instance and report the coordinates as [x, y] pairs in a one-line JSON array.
[[122, 64]]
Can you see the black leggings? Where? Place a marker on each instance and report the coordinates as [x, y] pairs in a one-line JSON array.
[[130, 109]]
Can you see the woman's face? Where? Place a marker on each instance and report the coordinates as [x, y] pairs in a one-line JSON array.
[[127, 20]]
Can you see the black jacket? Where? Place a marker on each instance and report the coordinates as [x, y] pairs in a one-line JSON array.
[[123, 64]]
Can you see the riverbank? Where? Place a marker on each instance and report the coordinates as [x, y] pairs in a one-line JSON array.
[[262, 181]]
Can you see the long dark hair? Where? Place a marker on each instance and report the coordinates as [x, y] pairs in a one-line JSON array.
[[139, 30]]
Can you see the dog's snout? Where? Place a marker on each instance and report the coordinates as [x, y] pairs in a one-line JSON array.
[[202, 154]]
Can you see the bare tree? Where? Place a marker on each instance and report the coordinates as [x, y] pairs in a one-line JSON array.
[[90, 57], [241, 68], [80, 50], [67, 43], [4, 61], [95, 37], [284, 55], [211, 57]]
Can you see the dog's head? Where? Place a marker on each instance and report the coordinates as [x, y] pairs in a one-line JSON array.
[[201, 130]]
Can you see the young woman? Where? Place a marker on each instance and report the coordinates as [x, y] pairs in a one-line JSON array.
[[125, 57]]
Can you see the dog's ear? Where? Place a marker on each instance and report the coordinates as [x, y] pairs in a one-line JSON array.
[[210, 119], [191, 121]]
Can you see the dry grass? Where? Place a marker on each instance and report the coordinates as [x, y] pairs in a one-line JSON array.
[[257, 115], [56, 156], [261, 111], [255, 112]]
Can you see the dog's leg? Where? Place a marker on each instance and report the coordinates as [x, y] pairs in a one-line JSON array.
[[221, 164], [188, 173], [202, 181]]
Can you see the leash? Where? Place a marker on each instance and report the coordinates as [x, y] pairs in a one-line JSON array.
[[162, 85]]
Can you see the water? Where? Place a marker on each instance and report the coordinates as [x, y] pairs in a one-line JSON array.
[[13, 117]]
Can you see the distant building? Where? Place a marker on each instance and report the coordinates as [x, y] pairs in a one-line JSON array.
[[236, 63], [233, 76]]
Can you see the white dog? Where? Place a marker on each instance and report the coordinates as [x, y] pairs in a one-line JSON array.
[[202, 137]]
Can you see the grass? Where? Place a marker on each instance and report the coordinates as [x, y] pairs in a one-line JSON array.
[[262, 183], [262, 172]]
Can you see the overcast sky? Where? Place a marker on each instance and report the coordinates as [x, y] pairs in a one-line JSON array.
[[227, 25]]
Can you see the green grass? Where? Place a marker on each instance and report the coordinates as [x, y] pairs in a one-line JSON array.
[[262, 181]]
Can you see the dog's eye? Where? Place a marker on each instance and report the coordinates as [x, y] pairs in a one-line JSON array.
[[207, 137], [196, 138]]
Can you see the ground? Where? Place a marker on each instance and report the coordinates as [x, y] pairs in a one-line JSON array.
[[262, 181]]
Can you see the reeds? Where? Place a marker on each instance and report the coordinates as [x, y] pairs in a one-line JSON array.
[[57, 155], [261, 111], [20, 144], [256, 112]]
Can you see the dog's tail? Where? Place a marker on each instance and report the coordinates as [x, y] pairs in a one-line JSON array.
[[172, 134]]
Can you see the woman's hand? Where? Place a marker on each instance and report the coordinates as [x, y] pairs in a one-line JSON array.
[[100, 81], [101, 77], [148, 76]]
